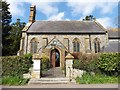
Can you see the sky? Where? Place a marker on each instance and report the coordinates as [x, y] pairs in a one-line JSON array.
[[105, 11]]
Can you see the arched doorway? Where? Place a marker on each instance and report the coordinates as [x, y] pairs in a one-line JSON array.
[[54, 58]]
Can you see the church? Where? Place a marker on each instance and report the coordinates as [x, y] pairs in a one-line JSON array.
[[57, 38]]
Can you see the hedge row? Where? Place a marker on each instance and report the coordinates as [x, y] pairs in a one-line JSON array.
[[105, 62], [16, 65]]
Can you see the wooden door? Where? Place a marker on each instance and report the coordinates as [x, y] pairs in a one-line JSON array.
[[53, 59]]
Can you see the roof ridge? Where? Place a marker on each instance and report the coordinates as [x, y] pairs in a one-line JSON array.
[[63, 20]]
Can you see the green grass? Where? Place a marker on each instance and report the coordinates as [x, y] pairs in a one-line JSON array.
[[17, 80], [96, 79]]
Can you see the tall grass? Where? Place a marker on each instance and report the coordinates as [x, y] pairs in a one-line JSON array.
[[16, 80], [88, 78]]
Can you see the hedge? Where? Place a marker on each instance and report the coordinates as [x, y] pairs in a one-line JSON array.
[[16, 65], [107, 63], [87, 62]]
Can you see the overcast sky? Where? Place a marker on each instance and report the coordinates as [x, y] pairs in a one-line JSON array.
[[105, 11]]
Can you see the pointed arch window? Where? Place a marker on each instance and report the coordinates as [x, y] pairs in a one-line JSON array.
[[76, 45], [97, 45], [34, 44]]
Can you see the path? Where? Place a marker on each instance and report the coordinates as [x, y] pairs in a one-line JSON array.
[[54, 73]]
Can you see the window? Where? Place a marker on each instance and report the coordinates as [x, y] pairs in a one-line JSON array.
[[34, 44], [76, 45], [97, 45]]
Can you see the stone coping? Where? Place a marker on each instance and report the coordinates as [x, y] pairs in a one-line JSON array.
[[69, 56]]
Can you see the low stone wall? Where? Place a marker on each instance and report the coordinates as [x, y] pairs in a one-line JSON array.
[[77, 72]]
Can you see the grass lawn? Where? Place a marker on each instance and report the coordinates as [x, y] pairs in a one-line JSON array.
[[16, 80], [96, 79]]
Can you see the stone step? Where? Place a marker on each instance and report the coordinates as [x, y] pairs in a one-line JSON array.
[[49, 81]]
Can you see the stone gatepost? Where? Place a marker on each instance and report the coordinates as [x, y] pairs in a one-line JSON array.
[[69, 62], [36, 71]]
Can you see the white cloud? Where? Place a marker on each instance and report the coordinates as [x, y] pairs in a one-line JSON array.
[[59, 16], [86, 7], [47, 8], [105, 22], [17, 8]]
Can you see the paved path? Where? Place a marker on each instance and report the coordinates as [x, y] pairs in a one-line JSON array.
[[66, 86], [53, 73]]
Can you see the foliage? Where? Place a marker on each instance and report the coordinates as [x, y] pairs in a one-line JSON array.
[[16, 80], [89, 18], [77, 55], [6, 20], [15, 36], [89, 66], [44, 62], [87, 62], [11, 34], [108, 62], [16, 65], [88, 78]]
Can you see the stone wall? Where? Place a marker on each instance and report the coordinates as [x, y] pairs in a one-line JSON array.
[[102, 37], [27, 43]]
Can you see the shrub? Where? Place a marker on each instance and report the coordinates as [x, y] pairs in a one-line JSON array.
[[89, 66], [108, 63], [44, 62], [16, 65], [87, 62], [77, 55]]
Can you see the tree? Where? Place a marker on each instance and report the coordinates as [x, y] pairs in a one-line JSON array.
[[15, 35], [11, 33], [89, 18], [6, 20]]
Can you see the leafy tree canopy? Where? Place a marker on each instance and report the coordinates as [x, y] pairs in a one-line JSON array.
[[11, 33]]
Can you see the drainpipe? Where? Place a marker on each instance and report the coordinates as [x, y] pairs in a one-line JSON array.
[[90, 42]]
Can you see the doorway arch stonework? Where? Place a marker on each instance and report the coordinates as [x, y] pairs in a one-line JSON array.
[[54, 58], [62, 55]]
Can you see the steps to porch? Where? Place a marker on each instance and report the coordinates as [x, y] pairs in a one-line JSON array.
[[52, 76], [49, 81]]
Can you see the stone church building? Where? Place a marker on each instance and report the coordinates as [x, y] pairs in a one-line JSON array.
[[57, 38]]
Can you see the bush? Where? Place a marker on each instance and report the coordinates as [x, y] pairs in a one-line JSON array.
[[89, 66], [87, 63], [108, 63], [44, 62], [16, 65], [77, 55]]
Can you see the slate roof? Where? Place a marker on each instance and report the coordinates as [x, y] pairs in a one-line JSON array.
[[66, 27], [113, 34], [113, 46]]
